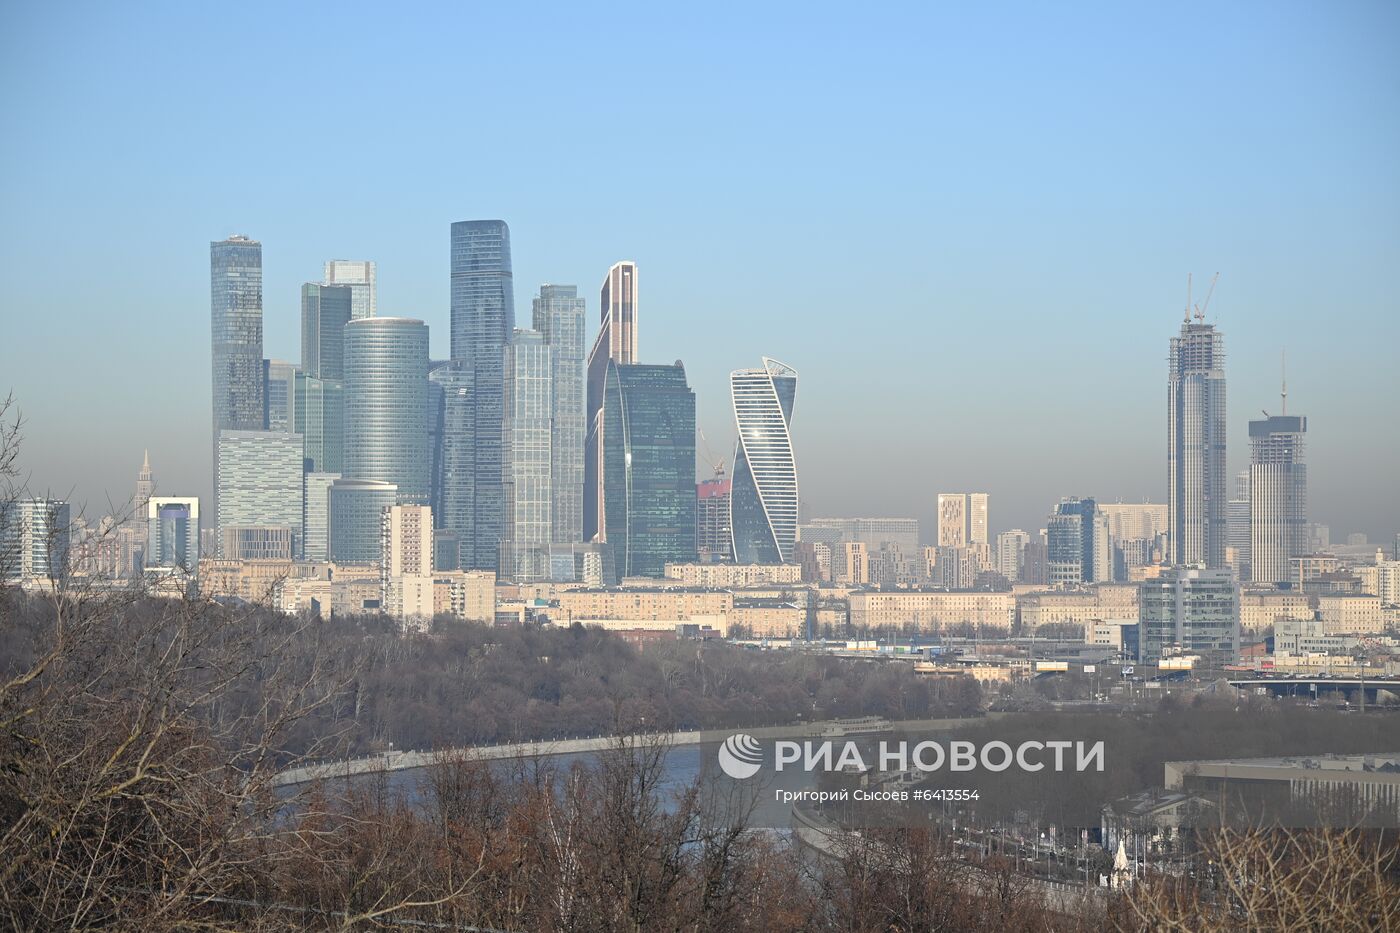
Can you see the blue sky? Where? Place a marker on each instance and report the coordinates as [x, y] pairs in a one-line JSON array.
[[967, 226]]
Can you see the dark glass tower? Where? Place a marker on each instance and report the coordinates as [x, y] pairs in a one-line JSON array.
[[236, 311], [483, 317], [452, 432], [649, 467]]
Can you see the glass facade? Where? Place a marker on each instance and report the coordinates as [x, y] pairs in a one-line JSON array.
[[360, 277], [1278, 496], [325, 310], [559, 316], [649, 467], [236, 326], [763, 497], [172, 533], [1078, 546], [279, 381], [528, 442], [483, 317], [315, 541], [1198, 523], [452, 426], [386, 404], [319, 416], [616, 342], [1189, 611], [355, 519], [34, 539], [260, 476]]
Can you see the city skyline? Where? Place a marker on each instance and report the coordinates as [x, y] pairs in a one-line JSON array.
[[1094, 234]]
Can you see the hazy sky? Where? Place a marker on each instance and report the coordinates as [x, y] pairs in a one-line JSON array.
[[967, 226]]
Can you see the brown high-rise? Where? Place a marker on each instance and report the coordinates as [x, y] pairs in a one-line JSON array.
[[617, 341]]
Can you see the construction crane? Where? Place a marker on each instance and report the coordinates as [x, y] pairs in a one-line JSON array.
[[1201, 311], [716, 464]]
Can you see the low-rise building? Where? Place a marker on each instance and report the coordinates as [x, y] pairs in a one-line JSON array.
[[1263, 609], [727, 576], [930, 610], [1350, 613]]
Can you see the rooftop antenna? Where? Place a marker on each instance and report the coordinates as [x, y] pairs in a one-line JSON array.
[[1283, 368]]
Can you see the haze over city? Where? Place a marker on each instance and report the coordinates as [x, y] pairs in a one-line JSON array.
[[968, 230]]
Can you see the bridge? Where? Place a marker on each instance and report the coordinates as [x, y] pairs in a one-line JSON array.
[[1312, 686], [410, 760]]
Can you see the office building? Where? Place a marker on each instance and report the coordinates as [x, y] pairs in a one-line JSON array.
[[483, 317], [528, 464], [1011, 549], [315, 541], [359, 276], [763, 493], [616, 343], [1237, 537], [452, 432], [713, 539], [649, 467], [386, 404], [1197, 494], [1189, 611], [559, 316], [34, 539], [1278, 496], [355, 522], [172, 533], [325, 310], [236, 308], [257, 542], [318, 415], [1077, 544], [260, 479], [279, 391]]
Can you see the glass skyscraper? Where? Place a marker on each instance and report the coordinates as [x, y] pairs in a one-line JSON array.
[[172, 534], [319, 416], [325, 310], [236, 306], [386, 404], [559, 316], [616, 343], [1278, 496], [529, 406], [355, 510], [1189, 611], [279, 382], [260, 479], [649, 467], [1198, 498], [452, 432], [483, 317], [1078, 547], [359, 276], [763, 497], [315, 512]]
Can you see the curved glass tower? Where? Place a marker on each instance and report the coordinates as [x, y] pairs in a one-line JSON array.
[[386, 404], [763, 498]]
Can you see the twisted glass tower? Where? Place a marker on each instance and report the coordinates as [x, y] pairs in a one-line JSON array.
[[763, 498], [386, 404]]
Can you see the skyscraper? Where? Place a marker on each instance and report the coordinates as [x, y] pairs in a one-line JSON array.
[[355, 518], [325, 310], [145, 487], [649, 467], [452, 429], [319, 417], [1077, 544], [260, 479], [763, 497], [616, 343], [714, 540], [386, 404], [483, 317], [962, 520], [1278, 496], [359, 276], [528, 464], [34, 539], [235, 301], [1011, 551], [559, 316], [279, 393], [1237, 534], [1197, 495], [172, 533], [315, 512]]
